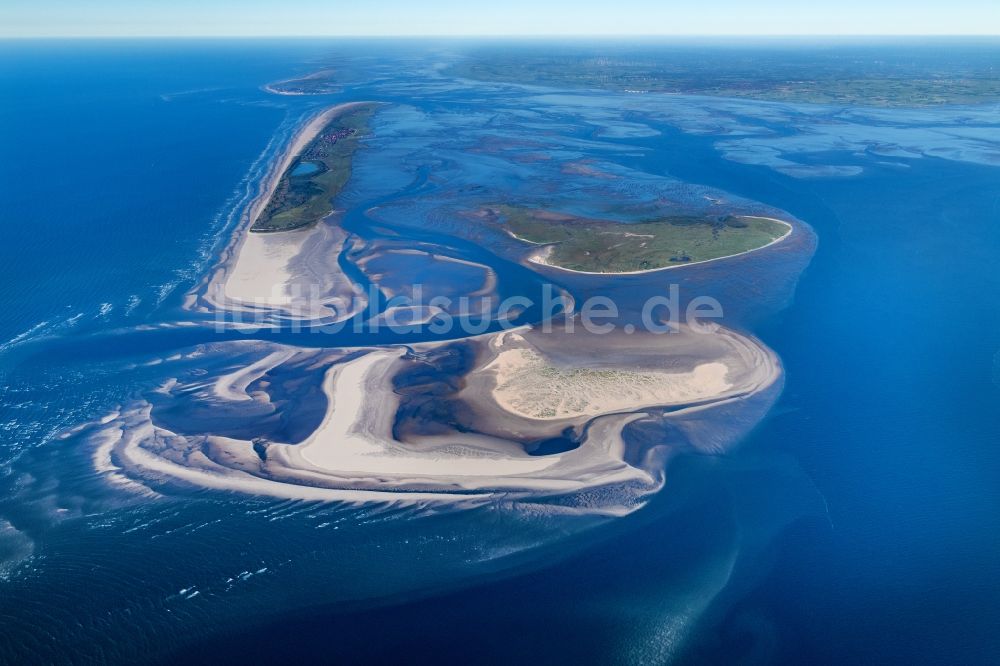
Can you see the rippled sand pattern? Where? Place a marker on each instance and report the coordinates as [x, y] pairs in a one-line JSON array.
[[529, 387]]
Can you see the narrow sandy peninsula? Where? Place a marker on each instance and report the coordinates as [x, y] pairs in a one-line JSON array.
[[266, 272]]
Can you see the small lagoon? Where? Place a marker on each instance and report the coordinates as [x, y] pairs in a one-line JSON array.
[[305, 169]]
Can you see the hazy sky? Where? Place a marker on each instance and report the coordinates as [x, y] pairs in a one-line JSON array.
[[29, 18]]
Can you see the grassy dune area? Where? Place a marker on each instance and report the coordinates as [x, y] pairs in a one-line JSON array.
[[605, 246], [304, 194]]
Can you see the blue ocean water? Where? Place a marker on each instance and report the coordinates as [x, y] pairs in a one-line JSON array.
[[861, 521]]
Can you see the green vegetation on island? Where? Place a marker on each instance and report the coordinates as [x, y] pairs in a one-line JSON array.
[[851, 75], [304, 194], [606, 246], [322, 82]]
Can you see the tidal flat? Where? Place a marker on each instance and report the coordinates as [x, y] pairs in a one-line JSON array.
[[234, 412], [303, 393]]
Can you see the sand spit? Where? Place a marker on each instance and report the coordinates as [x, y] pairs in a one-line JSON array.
[[380, 265], [233, 386], [266, 273], [355, 455]]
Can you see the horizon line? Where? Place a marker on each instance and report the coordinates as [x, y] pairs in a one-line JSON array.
[[603, 35]]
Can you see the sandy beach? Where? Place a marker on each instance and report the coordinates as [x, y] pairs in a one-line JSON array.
[[516, 392], [255, 270], [260, 273], [525, 381], [346, 442], [534, 384]]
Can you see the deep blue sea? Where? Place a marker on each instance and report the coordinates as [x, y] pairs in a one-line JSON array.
[[859, 523]]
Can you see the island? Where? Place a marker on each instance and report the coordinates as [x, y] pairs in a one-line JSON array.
[[322, 82], [314, 175], [592, 245]]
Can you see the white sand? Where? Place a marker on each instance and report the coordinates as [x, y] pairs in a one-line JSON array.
[[233, 386], [260, 275], [348, 442], [403, 316], [127, 445], [530, 387], [255, 268], [354, 457]]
